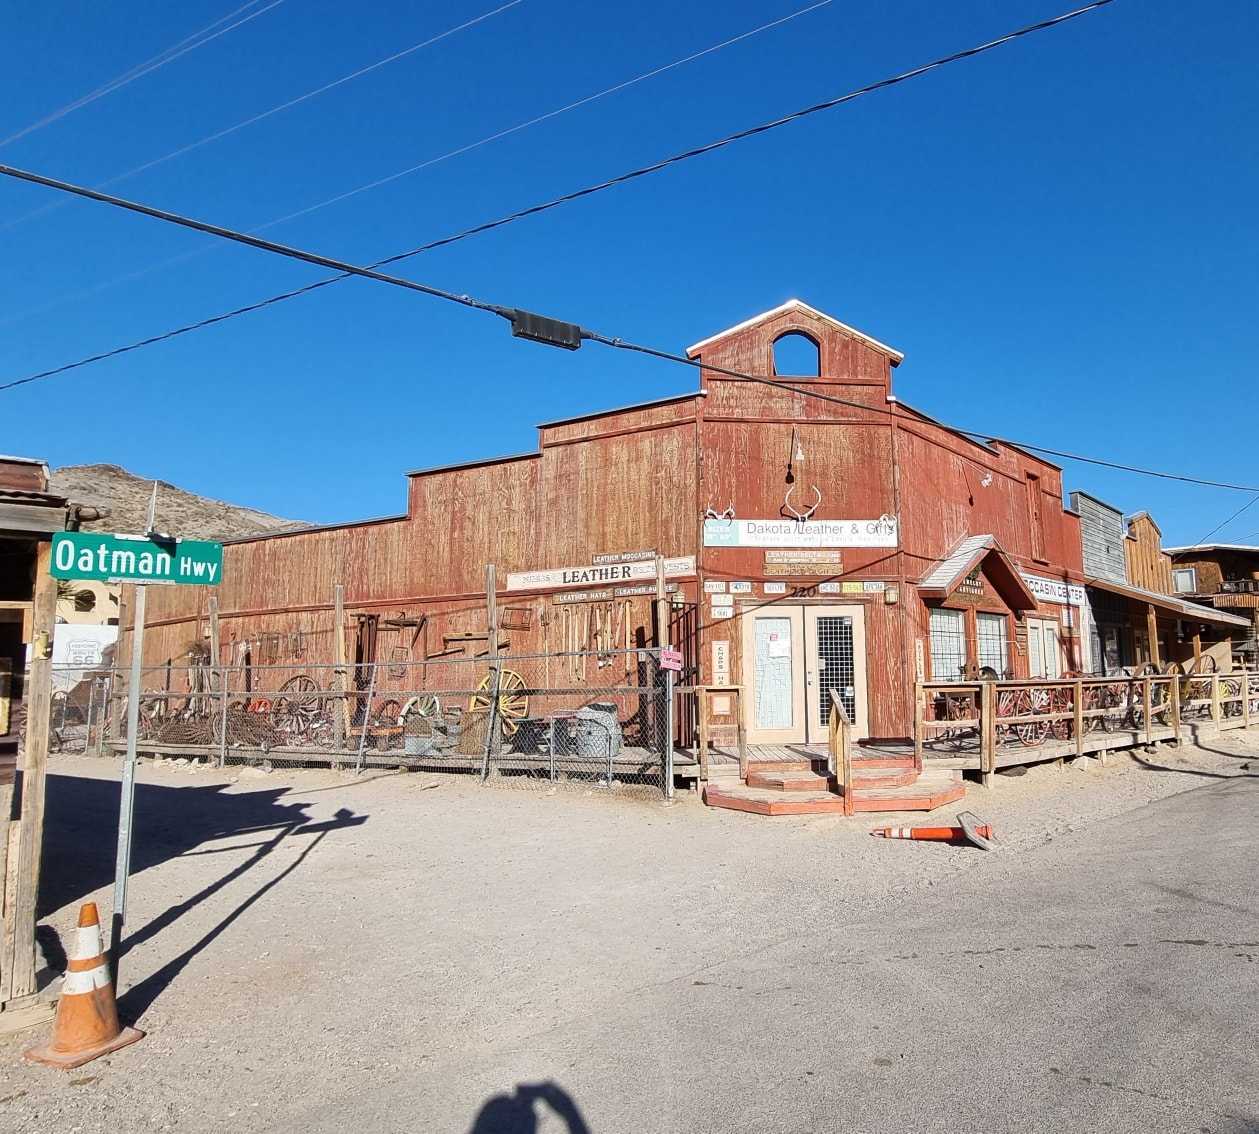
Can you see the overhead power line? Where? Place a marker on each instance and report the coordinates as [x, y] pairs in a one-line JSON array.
[[242, 237], [1244, 508], [218, 135], [189, 43], [456, 152], [558, 333], [984, 436], [546, 206]]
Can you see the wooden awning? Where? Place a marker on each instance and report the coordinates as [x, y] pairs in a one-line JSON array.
[[1169, 604], [944, 577]]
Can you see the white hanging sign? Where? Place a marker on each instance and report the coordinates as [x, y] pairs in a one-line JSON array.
[[599, 575], [794, 533]]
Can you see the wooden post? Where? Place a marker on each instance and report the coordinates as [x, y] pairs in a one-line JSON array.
[[919, 726], [1216, 715], [1146, 701], [1079, 716], [662, 605], [988, 734], [1245, 698], [491, 610], [742, 735], [701, 707], [1151, 630], [17, 969], [1176, 710], [341, 710], [840, 744], [1197, 649], [117, 684], [493, 733]]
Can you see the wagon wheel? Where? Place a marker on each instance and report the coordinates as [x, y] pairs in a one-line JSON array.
[[289, 716], [1204, 664], [387, 713], [513, 701], [302, 691], [423, 706]]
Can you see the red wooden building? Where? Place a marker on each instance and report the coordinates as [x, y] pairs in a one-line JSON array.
[[843, 541]]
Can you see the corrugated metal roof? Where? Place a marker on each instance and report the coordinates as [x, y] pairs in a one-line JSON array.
[[1212, 547], [943, 573], [1181, 607]]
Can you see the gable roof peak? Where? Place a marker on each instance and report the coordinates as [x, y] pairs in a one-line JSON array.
[[799, 306]]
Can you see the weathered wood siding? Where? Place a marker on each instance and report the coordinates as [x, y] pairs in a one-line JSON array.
[[1101, 536], [1148, 565]]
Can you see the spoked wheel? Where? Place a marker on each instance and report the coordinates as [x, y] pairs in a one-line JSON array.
[[1022, 703], [513, 701], [302, 690], [421, 707]]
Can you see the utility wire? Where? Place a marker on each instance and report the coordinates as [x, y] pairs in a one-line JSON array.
[[184, 257], [159, 60], [296, 101], [553, 203], [577, 333], [982, 436], [245, 238], [1244, 508]]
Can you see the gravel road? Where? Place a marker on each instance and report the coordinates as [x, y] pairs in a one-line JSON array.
[[403, 953]]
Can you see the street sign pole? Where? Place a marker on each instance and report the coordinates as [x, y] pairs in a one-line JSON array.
[[143, 560], [126, 804], [127, 796]]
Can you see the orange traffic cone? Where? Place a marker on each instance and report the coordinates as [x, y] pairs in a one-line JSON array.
[[926, 834], [970, 831], [86, 1026]]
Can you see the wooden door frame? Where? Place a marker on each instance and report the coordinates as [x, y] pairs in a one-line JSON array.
[[748, 615]]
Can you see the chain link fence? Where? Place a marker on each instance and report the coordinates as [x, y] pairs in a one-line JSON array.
[[594, 721]]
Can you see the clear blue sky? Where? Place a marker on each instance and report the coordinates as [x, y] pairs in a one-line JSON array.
[[1060, 235]]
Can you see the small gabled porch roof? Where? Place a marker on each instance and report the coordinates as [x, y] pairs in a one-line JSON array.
[[944, 576]]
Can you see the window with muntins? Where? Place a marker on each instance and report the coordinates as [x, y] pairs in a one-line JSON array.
[[993, 647], [948, 644]]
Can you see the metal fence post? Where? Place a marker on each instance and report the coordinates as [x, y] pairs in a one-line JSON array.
[[223, 682], [367, 716], [668, 730], [491, 719]]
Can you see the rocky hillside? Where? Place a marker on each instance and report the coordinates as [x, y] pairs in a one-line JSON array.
[[178, 512]]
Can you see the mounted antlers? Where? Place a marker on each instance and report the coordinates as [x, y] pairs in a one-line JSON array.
[[802, 516]]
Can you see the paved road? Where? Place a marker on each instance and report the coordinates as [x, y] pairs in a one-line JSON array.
[[1104, 982]]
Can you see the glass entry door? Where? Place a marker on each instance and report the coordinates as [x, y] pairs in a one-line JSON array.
[[792, 658], [773, 672], [835, 660]]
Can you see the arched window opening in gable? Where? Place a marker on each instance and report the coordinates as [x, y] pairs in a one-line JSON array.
[[796, 355]]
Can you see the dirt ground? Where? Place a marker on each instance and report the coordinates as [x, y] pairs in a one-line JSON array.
[[300, 937]]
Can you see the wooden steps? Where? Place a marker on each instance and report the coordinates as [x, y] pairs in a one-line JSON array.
[[803, 787]]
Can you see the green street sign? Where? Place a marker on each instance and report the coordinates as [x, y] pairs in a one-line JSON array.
[[136, 559]]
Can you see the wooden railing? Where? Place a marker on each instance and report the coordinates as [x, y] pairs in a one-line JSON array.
[[996, 721], [704, 725], [840, 746]]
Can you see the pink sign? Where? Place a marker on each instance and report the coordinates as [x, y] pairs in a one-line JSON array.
[[671, 659]]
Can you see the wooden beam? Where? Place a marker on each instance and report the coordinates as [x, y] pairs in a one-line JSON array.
[[1151, 630], [18, 979], [988, 734], [340, 712]]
